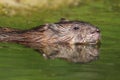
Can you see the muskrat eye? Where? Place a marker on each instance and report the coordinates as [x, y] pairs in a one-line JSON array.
[[76, 28]]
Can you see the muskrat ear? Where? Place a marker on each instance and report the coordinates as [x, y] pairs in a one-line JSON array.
[[64, 20]]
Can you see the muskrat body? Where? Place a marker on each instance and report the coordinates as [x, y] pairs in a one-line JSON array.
[[64, 31]]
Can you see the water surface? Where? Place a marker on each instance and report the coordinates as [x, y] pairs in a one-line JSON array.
[[74, 53]]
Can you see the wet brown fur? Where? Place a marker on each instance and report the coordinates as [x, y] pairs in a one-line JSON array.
[[36, 37]]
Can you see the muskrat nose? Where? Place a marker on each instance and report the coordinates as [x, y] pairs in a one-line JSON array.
[[97, 30]]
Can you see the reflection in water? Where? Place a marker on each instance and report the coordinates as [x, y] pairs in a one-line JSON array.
[[72, 53]]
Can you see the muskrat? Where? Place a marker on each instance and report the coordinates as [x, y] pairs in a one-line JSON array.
[[64, 31]]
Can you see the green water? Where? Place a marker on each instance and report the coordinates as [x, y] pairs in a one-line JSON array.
[[20, 63]]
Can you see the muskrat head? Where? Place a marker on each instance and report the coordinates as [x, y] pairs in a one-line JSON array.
[[74, 32]]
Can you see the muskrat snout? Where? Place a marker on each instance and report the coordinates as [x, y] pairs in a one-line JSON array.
[[95, 31], [98, 30]]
